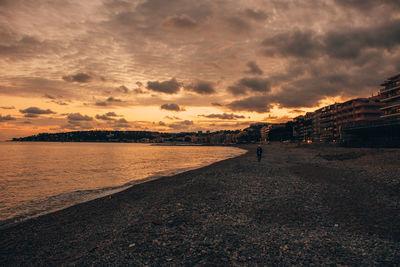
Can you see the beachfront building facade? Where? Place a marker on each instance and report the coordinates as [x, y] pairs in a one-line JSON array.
[[373, 121], [264, 133], [356, 111], [390, 97], [316, 125], [327, 123], [303, 127]]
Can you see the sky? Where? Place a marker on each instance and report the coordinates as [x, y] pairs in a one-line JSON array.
[[187, 65]]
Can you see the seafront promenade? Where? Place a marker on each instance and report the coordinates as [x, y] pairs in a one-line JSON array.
[[298, 206]]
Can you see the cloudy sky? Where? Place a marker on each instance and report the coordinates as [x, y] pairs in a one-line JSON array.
[[187, 65]]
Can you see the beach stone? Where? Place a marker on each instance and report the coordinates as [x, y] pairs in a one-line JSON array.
[[301, 206]]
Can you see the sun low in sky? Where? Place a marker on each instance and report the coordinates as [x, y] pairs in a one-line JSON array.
[[187, 65]]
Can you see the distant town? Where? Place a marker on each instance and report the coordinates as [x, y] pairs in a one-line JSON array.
[[372, 121]]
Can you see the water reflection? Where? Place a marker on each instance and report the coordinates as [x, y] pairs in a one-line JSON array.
[[36, 177]]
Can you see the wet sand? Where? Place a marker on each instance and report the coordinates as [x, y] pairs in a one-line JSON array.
[[298, 206]]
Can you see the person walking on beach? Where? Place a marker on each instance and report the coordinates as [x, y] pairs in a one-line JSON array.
[[259, 153]]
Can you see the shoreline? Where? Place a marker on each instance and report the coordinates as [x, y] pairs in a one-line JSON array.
[[298, 206], [106, 192]]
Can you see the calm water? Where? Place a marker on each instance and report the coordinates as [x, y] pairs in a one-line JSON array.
[[40, 177]]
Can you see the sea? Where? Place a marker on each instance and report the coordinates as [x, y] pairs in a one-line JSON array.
[[40, 177]]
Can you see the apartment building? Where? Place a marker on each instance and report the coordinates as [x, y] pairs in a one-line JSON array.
[[316, 125], [390, 97], [303, 127], [327, 123], [354, 111]]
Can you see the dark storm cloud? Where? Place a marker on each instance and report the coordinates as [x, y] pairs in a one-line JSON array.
[[346, 43], [254, 68], [201, 87], [256, 84], [122, 120], [293, 97], [49, 96], [6, 118], [309, 91], [259, 85], [37, 87], [122, 89], [307, 41], [59, 102], [54, 100], [118, 126], [101, 103], [104, 117], [302, 44], [257, 15], [79, 77], [78, 125], [337, 63], [138, 91], [367, 4], [161, 123], [168, 87], [4, 2], [238, 25], [25, 48], [172, 107], [7, 107], [111, 101], [224, 116], [172, 118], [350, 43], [156, 9], [259, 104], [36, 111], [216, 104], [30, 115], [237, 89], [181, 125], [180, 22], [109, 116], [333, 78], [78, 117]]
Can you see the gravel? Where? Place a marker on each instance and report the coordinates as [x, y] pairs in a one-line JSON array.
[[298, 206]]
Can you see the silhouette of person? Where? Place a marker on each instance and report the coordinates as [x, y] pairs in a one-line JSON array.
[[259, 153]]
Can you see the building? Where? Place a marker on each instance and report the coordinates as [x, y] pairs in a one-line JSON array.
[[327, 123], [303, 127], [264, 133], [316, 125], [390, 97], [280, 132], [297, 128], [354, 112]]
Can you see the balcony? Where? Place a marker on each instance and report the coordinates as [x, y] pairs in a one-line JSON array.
[[390, 88], [367, 104], [369, 111], [391, 115], [391, 106], [391, 97]]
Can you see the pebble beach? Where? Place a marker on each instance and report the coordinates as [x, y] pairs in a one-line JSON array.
[[301, 205]]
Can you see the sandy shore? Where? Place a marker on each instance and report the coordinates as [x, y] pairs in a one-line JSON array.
[[301, 206]]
